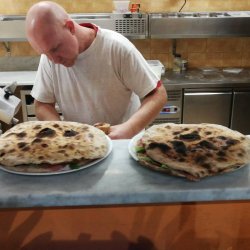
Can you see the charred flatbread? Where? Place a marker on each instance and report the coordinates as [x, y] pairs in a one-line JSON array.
[[41, 146], [193, 151]]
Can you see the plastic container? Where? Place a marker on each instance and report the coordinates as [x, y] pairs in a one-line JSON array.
[[177, 64], [121, 6], [157, 67]]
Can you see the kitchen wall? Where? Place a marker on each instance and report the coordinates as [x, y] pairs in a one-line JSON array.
[[216, 52]]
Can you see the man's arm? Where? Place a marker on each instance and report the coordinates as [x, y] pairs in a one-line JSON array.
[[46, 111], [150, 107]]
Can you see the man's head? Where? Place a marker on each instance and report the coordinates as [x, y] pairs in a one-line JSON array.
[[50, 31]]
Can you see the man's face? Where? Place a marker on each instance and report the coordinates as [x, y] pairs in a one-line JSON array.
[[59, 44]]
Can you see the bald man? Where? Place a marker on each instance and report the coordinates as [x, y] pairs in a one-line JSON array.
[[93, 74]]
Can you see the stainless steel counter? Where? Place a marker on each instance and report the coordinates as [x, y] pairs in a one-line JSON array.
[[195, 78], [118, 180], [191, 77]]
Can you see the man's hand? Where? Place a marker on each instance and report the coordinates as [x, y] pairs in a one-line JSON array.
[[121, 131]]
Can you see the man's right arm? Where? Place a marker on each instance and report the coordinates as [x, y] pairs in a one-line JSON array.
[[46, 111]]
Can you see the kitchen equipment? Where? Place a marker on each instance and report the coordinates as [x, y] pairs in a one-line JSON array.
[[157, 67], [121, 6], [131, 25], [28, 106], [9, 104], [172, 111], [240, 119], [207, 106], [199, 24]]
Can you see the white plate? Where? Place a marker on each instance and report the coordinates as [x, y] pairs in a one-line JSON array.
[[132, 144], [66, 168]]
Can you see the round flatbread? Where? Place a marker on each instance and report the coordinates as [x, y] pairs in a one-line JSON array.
[[193, 150], [51, 142]]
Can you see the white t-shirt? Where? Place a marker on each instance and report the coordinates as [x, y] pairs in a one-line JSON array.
[[104, 85]]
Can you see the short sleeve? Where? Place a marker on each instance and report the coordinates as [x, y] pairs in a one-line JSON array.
[[137, 74], [43, 86]]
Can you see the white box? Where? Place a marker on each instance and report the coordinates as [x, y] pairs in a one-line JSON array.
[[121, 6], [157, 67]]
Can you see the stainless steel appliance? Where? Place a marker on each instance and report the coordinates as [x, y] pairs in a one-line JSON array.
[[199, 24], [131, 25], [172, 111], [207, 105], [240, 119]]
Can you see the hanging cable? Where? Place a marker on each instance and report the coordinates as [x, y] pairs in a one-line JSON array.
[[185, 1]]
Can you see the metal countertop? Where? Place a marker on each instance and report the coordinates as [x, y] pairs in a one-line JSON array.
[[202, 78]]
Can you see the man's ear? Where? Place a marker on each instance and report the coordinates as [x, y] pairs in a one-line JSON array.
[[69, 24]]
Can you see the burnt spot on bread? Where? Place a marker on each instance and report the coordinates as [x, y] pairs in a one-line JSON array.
[[41, 157], [37, 127], [90, 135], [223, 138], [209, 155], [240, 154], [62, 151], [21, 144], [37, 140], [18, 135], [206, 165], [44, 145], [56, 126], [194, 136], [177, 132], [21, 134], [179, 147], [231, 142], [225, 147], [46, 132], [70, 133], [207, 144], [162, 146], [78, 137], [221, 159], [200, 159], [71, 146], [221, 153], [208, 133], [27, 148], [181, 160]]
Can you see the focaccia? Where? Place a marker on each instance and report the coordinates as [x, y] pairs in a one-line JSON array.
[[51, 142], [193, 150]]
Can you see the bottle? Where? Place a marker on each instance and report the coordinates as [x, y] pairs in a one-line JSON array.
[[177, 64]]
